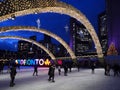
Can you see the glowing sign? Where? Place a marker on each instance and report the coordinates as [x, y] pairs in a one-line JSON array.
[[40, 62]]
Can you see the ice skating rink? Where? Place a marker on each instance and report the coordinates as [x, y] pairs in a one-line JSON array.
[[82, 80]]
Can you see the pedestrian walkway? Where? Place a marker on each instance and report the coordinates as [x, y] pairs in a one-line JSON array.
[[82, 80]]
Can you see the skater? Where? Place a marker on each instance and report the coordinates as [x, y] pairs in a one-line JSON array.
[[65, 70], [93, 67], [59, 70], [13, 73], [107, 70], [51, 72], [35, 70]]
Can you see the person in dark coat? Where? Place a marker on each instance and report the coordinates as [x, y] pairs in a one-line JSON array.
[[12, 75], [93, 67], [35, 70], [107, 69], [65, 70], [51, 72], [78, 66], [1, 66], [116, 69]]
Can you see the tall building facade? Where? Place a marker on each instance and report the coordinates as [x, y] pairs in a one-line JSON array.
[[103, 32], [80, 40], [33, 47], [26, 49], [29, 50], [23, 46], [48, 44], [23, 49], [61, 51]]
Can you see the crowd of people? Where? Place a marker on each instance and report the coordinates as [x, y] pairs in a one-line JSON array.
[[115, 68], [1, 66], [66, 66]]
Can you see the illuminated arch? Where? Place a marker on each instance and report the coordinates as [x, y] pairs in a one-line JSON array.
[[43, 6], [30, 41], [19, 28]]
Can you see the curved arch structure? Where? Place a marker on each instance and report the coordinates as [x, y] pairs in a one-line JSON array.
[[18, 28], [42, 6], [30, 41]]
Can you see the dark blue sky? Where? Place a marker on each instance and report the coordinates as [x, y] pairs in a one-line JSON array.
[[52, 21]]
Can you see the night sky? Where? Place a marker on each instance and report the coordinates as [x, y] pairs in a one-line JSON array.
[[52, 21]]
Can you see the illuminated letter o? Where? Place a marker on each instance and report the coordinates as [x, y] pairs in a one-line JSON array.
[[41, 62]]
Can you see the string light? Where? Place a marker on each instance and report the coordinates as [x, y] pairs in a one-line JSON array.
[[23, 7], [31, 41], [10, 6], [34, 29]]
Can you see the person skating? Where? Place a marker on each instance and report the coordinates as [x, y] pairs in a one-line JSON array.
[[51, 73], [12, 75], [59, 70], [65, 70], [35, 70], [93, 67]]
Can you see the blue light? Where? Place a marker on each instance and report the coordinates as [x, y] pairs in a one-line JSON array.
[[53, 22]]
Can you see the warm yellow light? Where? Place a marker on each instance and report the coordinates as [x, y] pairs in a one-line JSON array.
[[31, 41], [24, 7]]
